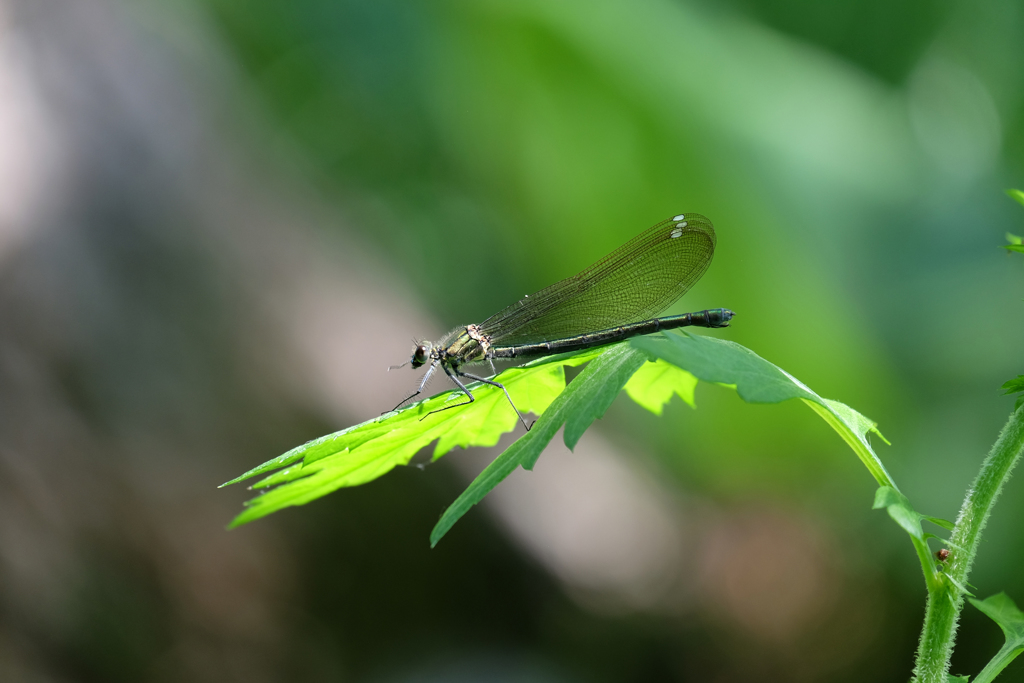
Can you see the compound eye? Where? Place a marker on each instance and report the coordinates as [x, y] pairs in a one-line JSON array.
[[419, 356]]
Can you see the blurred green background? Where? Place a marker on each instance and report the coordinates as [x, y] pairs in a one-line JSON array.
[[220, 222]]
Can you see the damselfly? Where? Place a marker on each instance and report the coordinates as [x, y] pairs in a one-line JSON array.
[[612, 300]]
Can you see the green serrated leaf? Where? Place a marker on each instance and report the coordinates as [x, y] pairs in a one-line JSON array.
[[654, 385], [1001, 609], [584, 400], [366, 451], [1014, 247], [589, 400], [758, 381], [1016, 195], [1014, 385]]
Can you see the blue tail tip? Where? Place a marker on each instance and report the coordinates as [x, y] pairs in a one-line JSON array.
[[721, 317]]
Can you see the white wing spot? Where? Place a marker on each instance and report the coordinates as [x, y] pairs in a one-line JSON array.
[[680, 217], [676, 233], [681, 225]]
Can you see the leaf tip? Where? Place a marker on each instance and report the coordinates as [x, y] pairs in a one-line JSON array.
[[439, 531], [236, 522]]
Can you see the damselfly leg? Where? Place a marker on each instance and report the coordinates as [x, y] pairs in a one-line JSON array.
[[423, 383], [454, 375]]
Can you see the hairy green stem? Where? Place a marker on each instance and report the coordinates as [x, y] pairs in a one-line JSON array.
[[945, 599]]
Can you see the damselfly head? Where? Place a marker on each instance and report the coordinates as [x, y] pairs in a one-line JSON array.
[[420, 355]]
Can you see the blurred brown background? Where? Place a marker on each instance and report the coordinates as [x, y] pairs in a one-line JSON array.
[[220, 221]]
